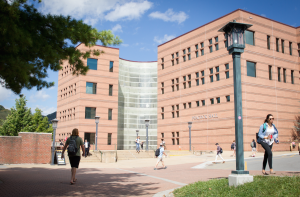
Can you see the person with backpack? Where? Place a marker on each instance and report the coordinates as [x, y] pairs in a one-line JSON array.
[[267, 135], [253, 146], [74, 142], [137, 141], [233, 147], [159, 154], [219, 152]]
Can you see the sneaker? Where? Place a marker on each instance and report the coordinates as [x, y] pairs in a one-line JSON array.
[[155, 168], [165, 167]]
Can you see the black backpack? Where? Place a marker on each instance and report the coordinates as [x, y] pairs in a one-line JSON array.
[[72, 148], [157, 152], [221, 150], [232, 146]]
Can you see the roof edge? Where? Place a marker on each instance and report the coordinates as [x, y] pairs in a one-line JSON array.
[[99, 46], [137, 61]]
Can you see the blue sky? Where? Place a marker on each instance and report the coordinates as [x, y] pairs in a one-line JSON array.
[[143, 25]]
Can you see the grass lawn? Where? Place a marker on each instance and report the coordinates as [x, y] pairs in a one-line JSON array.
[[261, 186]]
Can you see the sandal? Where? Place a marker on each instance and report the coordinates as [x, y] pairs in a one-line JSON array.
[[72, 183], [74, 180], [264, 173], [273, 172]]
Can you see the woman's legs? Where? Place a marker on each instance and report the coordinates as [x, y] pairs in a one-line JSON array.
[[268, 155]]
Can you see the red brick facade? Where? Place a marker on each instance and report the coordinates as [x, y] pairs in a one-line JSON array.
[[26, 148]]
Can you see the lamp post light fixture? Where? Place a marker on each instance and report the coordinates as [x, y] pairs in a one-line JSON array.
[[190, 135], [147, 125], [54, 126], [97, 118], [235, 37]]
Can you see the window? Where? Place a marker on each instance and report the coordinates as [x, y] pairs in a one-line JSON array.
[[177, 107], [212, 101], [162, 60], [249, 37], [211, 70], [109, 139], [177, 54], [162, 91], [197, 103], [162, 66], [177, 141], [173, 56], [109, 114], [279, 74], [202, 73], [197, 82], [177, 80], [162, 109], [172, 62], [292, 76], [197, 54], [90, 112], [227, 74], [299, 49], [203, 81], [184, 105], [173, 141], [172, 81], [189, 50], [190, 105], [225, 43], [189, 76], [184, 58], [270, 72], [284, 75], [203, 102], [190, 84], [177, 113], [173, 88], [268, 42], [228, 98], [183, 51], [202, 52], [162, 135], [92, 63], [173, 107], [173, 115], [217, 77], [196, 46], [177, 134], [282, 46], [184, 78], [184, 85], [197, 74], [210, 49], [217, 69], [211, 78], [177, 61], [251, 69], [111, 66], [217, 46], [91, 88], [216, 39], [202, 44], [177, 87], [189, 56], [162, 84], [162, 116], [210, 41], [290, 46], [227, 66], [110, 90], [277, 44]]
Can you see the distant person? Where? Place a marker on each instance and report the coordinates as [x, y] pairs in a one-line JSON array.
[[267, 134], [219, 152], [87, 148], [253, 146], [142, 145], [74, 141], [137, 141], [233, 147], [160, 157]]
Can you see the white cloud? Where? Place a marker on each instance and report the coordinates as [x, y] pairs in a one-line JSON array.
[[5, 93], [169, 15], [45, 110], [117, 28], [40, 95], [164, 39], [128, 11], [124, 45]]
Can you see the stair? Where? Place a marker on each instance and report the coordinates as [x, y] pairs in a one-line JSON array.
[[132, 154]]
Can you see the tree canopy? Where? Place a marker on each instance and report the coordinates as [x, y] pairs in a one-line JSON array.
[[32, 42]]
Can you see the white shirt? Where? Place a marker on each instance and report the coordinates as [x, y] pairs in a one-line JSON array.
[[269, 131], [137, 141], [86, 144]]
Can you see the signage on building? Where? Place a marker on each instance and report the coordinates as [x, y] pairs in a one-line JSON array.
[[207, 116]]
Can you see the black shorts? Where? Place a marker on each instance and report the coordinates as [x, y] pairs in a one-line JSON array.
[[74, 161]]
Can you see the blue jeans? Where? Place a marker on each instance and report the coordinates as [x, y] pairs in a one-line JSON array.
[[137, 147]]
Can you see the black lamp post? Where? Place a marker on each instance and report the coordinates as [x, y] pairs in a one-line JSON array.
[[190, 135], [54, 126], [235, 45], [147, 125], [97, 118]]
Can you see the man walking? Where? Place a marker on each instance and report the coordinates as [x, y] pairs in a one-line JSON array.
[[219, 152], [137, 141], [75, 142], [160, 157], [253, 146], [87, 148]]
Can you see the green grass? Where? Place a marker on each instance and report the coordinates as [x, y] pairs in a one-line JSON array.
[[261, 186]]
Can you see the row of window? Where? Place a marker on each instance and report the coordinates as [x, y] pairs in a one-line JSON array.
[[64, 116], [189, 104], [90, 113], [91, 88], [278, 41], [92, 64], [65, 93], [173, 136]]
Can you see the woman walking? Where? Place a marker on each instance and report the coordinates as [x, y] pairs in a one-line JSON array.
[[267, 134]]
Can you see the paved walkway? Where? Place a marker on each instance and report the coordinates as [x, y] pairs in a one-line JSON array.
[[125, 178]]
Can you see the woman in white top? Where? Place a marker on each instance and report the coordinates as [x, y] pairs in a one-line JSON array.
[[267, 135]]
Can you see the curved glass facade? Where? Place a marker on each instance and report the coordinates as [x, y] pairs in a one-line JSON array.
[[137, 101]]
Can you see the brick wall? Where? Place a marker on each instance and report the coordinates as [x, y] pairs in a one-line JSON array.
[[25, 148]]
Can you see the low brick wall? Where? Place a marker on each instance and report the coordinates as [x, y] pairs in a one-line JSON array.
[[26, 148]]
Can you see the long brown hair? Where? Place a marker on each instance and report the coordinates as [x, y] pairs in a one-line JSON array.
[[267, 118], [75, 132]]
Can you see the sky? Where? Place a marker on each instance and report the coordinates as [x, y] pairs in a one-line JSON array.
[[143, 25]]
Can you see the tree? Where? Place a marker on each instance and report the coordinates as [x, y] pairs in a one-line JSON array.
[[296, 129], [41, 123], [32, 42]]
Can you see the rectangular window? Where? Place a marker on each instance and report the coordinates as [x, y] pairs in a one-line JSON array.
[[218, 99], [109, 138], [173, 141], [292, 76], [202, 73], [173, 88], [203, 102], [190, 84], [172, 62], [177, 87], [202, 44], [90, 112], [197, 103], [217, 47], [184, 78], [162, 135], [227, 66], [211, 70], [196, 46], [225, 44], [177, 61], [109, 114], [91, 88], [110, 90], [162, 60], [189, 56], [183, 51], [189, 50], [290, 46], [268, 42], [92, 63], [162, 109], [277, 44], [111, 66], [173, 134], [249, 37], [217, 69], [177, 54], [162, 116], [173, 107], [202, 52], [203, 81], [177, 80], [211, 78], [184, 85], [162, 84], [190, 77], [184, 105], [190, 105], [210, 49], [197, 74], [227, 74], [270, 72], [162, 67], [251, 69], [284, 75], [210, 41], [217, 77], [177, 107], [177, 113], [197, 82], [228, 98], [173, 81], [173, 115], [197, 54], [212, 101], [184, 58], [282, 46], [216, 39], [162, 91], [279, 79], [173, 56], [177, 134]]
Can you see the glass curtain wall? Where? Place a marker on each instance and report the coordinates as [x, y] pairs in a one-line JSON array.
[[137, 101]]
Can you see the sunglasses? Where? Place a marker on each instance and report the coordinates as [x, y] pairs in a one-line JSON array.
[[271, 119]]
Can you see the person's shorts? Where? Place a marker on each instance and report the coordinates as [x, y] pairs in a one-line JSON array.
[[253, 149], [159, 159], [74, 161]]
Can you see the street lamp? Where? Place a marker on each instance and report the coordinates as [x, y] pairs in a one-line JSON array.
[[54, 126], [96, 121], [147, 124], [190, 127], [137, 133], [235, 45]]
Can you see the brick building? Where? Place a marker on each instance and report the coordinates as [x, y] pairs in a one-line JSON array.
[[194, 83]]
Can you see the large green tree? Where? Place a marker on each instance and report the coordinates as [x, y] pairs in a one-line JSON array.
[[32, 42]]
